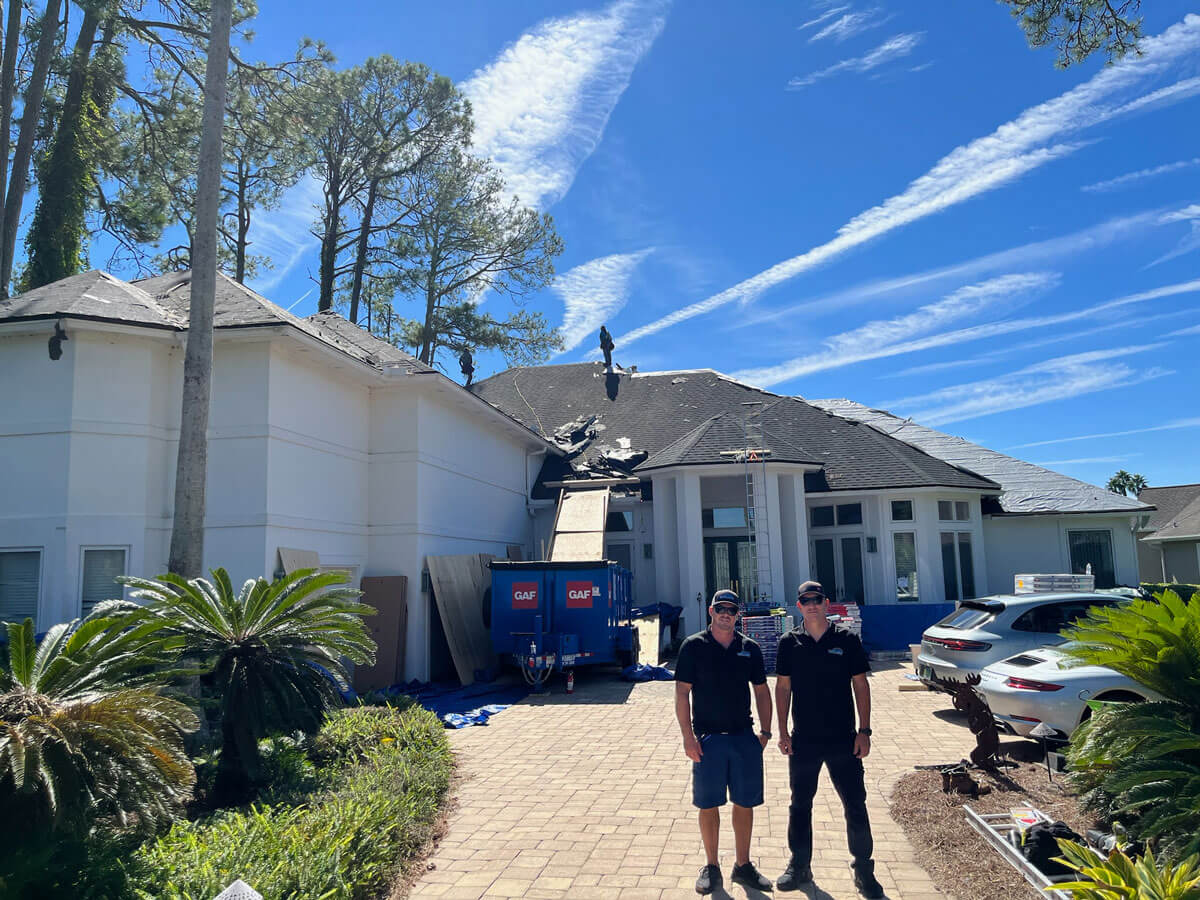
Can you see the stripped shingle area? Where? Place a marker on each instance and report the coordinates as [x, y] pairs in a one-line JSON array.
[[1027, 488], [690, 417]]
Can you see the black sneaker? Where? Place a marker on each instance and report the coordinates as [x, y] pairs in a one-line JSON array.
[[748, 876], [864, 880], [793, 876], [710, 879]]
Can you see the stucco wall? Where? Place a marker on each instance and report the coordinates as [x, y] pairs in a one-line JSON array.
[[1017, 544]]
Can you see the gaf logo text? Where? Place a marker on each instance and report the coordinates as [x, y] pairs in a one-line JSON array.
[[579, 594], [524, 595]]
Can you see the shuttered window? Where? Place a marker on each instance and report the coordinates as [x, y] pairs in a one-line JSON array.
[[20, 572], [100, 570]]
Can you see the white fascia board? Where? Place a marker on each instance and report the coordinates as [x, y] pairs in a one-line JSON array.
[[26, 327]]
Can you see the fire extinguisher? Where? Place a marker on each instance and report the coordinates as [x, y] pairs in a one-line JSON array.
[[571, 682]]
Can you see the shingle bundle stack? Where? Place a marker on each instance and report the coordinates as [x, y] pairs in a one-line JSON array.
[[847, 617], [766, 631]]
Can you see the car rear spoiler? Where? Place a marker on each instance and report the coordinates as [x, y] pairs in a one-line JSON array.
[[991, 606]]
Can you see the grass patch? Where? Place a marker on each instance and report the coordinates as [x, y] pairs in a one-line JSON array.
[[385, 773]]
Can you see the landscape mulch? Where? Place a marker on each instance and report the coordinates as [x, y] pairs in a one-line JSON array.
[[962, 864]]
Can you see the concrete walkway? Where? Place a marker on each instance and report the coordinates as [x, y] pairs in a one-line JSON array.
[[589, 796]]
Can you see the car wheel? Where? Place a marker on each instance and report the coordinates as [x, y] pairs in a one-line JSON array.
[[1111, 697]]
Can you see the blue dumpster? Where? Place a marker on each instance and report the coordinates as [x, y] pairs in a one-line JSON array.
[[559, 615]]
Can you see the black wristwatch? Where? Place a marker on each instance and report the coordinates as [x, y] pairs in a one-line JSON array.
[[866, 731], [765, 734]]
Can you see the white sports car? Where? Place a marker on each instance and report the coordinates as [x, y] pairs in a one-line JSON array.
[[1039, 685]]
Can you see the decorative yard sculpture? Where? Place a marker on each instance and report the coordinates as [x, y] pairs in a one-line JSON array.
[[979, 720]]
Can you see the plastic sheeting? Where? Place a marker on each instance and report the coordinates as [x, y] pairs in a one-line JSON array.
[[1027, 489]]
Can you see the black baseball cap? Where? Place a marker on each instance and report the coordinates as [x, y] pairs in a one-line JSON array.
[[726, 596], [810, 588]]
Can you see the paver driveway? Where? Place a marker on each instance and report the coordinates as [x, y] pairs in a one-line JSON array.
[[589, 795]]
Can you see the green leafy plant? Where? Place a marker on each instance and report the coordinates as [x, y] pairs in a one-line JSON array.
[[272, 652], [1122, 878], [387, 774], [86, 736], [1139, 764]]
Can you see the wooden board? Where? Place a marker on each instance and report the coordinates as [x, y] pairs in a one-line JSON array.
[[571, 547], [388, 595], [648, 640], [292, 559], [582, 511], [458, 584]]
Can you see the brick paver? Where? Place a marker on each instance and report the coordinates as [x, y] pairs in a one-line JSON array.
[[589, 796]]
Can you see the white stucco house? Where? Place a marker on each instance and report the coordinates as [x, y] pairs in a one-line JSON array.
[[325, 440], [321, 439]]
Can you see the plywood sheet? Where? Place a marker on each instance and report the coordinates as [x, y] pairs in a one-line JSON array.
[[582, 511], [292, 559], [458, 585], [388, 596], [574, 547], [648, 640]]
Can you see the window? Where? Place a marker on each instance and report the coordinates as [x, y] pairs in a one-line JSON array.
[[904, 543], [20, 576], [619, 521], [1094, 547], [962, 510], [723, 517], [946, 510], [821, 516], [849, 514], [902, 510], [954, 511], [958, 566], [1051, 618], [100, 568], [967, 617]]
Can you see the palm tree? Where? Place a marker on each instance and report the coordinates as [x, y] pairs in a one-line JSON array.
[[273, 653], [1139, 763], [84, 731], [1137, 484], [1119, 483]]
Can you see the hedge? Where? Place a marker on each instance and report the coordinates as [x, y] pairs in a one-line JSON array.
[[1184, 591]]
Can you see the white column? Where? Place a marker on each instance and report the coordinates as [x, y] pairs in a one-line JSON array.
[[689, 529], [666, 550], [803, 564], [775, 520]]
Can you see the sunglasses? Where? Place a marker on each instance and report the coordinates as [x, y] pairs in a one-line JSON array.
[[725, 609], [815, 599]]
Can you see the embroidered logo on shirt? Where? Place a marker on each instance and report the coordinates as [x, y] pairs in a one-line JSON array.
[[836, 651], [743, 653]]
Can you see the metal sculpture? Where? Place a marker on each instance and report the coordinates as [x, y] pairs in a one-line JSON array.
[[986, 754]]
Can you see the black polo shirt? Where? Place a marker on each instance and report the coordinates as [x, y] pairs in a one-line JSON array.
[[822, 700], [720, 678]]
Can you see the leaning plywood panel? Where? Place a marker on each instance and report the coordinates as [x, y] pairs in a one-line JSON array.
[[582, 511], [458, 584], [292, 559], [576, 547], [388, 596]]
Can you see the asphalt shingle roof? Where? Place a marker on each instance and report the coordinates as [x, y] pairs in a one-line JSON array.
[[1178, 511], [688, 418], [93, 295], [1028, 488]]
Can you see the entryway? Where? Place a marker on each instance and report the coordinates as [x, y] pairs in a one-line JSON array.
[[838, 562]]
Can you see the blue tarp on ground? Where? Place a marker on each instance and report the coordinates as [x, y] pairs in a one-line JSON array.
[[459, 706], [643, 672]]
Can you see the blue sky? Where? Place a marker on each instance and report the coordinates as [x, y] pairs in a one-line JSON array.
[[901, 204]]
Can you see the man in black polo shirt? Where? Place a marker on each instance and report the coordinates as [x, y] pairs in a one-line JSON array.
[[712, 704], [818, 667]]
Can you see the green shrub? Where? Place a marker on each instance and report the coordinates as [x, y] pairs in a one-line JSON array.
[[1139, 763], [389, 771], [1121, 877], [1184, 591]]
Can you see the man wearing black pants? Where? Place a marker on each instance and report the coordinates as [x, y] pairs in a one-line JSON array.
[[819, 666]]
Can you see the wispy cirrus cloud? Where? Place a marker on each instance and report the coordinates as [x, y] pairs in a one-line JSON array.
[[1121, 181], [542, 106], [1044, 382], [896, 336], [893, 48], [985, 164], [594, 292], [1185, 332], [1085, 460], [283, 234], [823, 17], [1169, 426], [1190, 241], [849, 24]]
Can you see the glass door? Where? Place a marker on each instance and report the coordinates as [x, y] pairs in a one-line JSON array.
[[838, 565]]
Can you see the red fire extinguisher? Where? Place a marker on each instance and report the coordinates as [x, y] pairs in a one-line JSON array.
[[571, 682]]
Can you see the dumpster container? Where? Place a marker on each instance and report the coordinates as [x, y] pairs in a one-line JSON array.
[[559, 615]]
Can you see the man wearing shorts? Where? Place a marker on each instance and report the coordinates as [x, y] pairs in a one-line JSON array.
[[821, 672], [712, 704]]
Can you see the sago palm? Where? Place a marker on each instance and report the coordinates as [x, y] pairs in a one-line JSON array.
[[273, 652], [84, 730], [1140, 763], [1119, 876]]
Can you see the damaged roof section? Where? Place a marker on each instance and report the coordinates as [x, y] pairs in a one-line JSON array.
[[1027, 489], [679, 418]]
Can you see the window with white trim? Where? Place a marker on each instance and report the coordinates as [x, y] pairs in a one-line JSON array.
[[20, 581], [902, 511], [954, 511], [101, 567]]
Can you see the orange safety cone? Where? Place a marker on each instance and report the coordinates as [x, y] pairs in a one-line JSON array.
[[571, 682]]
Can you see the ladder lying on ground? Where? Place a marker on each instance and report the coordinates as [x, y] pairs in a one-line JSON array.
[[1003, 833]]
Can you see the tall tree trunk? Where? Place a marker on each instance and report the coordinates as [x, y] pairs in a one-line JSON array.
[[329, 239], [427, 331], [8, 86], [65, 177], [187, 535], [360, 255], [29, 121], [243, 223]]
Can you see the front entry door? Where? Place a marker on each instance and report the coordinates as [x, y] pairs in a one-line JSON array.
[[839, 568], [729, 564]]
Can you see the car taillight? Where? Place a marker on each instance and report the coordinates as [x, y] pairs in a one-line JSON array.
[[959, 644], [1028, 684]]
